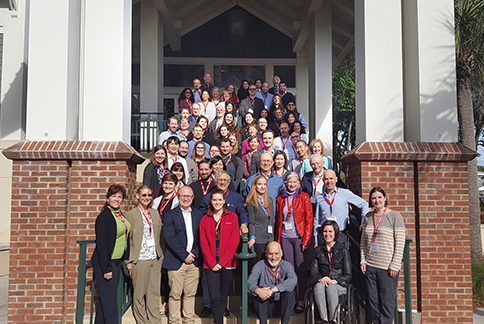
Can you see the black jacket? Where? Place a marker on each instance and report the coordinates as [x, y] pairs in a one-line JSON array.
[[340, 264], [105, 241]]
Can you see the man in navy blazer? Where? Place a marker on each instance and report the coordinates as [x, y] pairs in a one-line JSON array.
[[180, 229]]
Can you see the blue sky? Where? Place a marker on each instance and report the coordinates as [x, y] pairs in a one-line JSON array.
[[480, 159]]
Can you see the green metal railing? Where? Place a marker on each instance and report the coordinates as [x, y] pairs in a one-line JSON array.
[[125, 289], [245, 255], [145, 128], [353, 234]]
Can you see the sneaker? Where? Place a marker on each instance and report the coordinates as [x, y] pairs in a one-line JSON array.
[[206, 312]]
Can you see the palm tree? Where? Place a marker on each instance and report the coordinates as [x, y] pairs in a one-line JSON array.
[[469, 44]]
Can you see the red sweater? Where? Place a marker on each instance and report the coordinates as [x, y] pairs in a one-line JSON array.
[[229, 240]]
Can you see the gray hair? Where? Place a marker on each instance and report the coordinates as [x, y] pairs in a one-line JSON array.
[[291, 175], [221, 173], [316, 156]]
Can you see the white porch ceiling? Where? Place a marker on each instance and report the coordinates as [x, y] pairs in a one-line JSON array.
[[290, 17]]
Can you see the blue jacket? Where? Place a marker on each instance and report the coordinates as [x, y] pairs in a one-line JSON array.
[[174, 231], [235, 204]]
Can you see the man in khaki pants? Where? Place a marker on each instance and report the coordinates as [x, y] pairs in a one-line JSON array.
[[180, 229]]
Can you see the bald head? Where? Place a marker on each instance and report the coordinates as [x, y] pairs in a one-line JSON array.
[[329, 180], [273, 254]]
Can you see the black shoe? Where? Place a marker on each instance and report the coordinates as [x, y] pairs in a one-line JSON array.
[[299, 309], [226, 313], [206, 312]]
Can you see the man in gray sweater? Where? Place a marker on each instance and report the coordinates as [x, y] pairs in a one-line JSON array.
[[271, 284]]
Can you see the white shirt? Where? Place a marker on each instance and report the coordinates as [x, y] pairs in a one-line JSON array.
[[187, 216]]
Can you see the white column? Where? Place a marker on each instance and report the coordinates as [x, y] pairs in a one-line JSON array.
[[151, 58], [429, 71], [302, 83], [379, 88], [322, 86], [14, 70], [51, 89], [106, 71]]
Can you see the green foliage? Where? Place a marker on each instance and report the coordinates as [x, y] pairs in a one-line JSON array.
[[478, 282], [344, 101]]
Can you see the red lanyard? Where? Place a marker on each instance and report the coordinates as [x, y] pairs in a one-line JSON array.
[[283, 171], [316, 184], [264, 96], [205, 107], [177, 189], [332, 201], [289, 207], [295, 153], [276, 276], [204, 191], [123, 220], [163, 205], [171, 133], [252, 101], [284, 143], [217, 224], [330, 256], [148, 220], [228, 161], [189, 103], [378, 224], [227, 194], [265, 208]]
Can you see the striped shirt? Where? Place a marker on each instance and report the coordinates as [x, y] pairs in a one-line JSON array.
[[390, 239]]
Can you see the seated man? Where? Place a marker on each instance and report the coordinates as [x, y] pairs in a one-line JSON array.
[[272, 283]]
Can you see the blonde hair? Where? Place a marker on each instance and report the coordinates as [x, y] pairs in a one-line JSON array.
[[314, 141], [253, 195]]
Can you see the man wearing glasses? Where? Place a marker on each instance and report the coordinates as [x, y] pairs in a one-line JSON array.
[[180, 229], [251, 104]]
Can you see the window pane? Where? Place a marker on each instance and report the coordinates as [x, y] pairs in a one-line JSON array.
[[287, 73], [177, 75], [235, 74]]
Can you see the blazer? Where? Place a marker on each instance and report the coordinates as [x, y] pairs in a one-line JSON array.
[[135, 218], [174, 231], [105, 241], [150, 177]]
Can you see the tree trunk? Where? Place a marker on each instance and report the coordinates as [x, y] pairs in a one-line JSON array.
[[466, 128]]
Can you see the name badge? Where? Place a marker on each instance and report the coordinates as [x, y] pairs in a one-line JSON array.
[[277, 295], [374, 248], [269, 229], [150, 242], [251, 110], [287, 226]]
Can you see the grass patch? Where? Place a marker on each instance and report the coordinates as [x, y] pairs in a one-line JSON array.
[[478, 285]]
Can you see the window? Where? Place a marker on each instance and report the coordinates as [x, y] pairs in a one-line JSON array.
[[178, 75], [287, 73], [235, 74]]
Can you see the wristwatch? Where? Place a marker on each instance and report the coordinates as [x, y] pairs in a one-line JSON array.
[[272, 289]]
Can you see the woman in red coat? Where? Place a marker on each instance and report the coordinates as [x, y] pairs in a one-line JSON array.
[[219, 238], [294, 227]]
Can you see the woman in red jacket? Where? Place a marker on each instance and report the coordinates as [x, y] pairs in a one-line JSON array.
[[294, 225], [219, 238]]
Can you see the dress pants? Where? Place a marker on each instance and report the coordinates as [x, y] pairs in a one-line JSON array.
[[382, 293], [327, 299], [146, 278], [294, 254], [218, 287], [183, 281], [271, 308], [107, 304]]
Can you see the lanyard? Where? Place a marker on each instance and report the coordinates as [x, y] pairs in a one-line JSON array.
[[123, 220], [266, 210], [189, 103], [148, 219], [227, 194], [163, 205], [204, 191], [217, 224], [171, 133], [283, 171], [289, 207], [284, 143], [330, 256], [332, 201], [276, 276], [252, 101], [316, 184], [264, 96], [205, 107], [378, 224], [228, 160], [295, 153]]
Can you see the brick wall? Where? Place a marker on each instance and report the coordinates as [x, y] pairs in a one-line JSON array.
[[58, 189], [427, 184]]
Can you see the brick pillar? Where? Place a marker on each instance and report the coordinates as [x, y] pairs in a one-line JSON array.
[[428, 184], [58, 189]]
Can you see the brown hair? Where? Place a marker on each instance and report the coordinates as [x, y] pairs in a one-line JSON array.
[[216, 191], [112, 190], [380, 190], [170, 177], [276, 154], [333, 223], [164, 164]]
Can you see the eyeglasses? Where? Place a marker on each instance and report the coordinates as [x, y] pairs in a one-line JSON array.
[[188, 92], [185, 197], [146, 195], [290, 105], [222, 180], [252, 89]]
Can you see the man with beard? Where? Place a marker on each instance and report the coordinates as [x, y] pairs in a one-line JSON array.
[[271, 284], [204, 185]]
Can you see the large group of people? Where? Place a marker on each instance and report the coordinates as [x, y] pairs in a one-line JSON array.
[[209, 181]]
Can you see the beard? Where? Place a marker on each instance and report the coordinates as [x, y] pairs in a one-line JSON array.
[[274, 263]]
